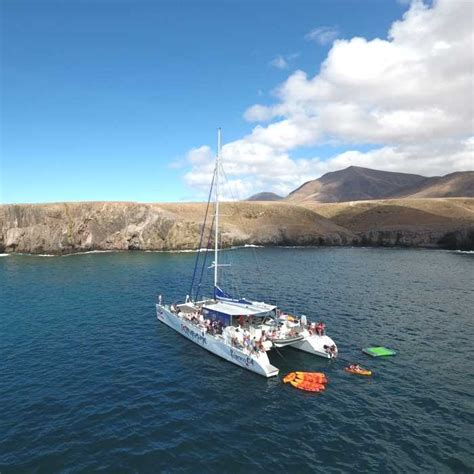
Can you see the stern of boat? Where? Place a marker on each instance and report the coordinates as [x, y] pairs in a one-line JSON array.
[[322, 346]]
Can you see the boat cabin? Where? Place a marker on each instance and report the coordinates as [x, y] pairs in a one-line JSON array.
[[235, 314]]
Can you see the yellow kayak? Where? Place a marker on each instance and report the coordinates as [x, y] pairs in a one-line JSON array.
[[359, 371]]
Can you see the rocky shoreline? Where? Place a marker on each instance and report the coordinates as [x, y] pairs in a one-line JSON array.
[[66, 228]]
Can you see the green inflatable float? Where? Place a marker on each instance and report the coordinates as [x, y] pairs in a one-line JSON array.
[[378, 351]]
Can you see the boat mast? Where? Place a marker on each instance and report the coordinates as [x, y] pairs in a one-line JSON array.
[[216, 237]]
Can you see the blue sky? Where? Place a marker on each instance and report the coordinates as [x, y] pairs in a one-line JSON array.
[[105, 100]]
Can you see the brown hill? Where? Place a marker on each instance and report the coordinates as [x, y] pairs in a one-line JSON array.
[[355, 184], [62, 228], [265, 196], [452, 185], [446, 223], [360, 184]]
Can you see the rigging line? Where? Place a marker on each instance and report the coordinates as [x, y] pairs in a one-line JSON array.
[[254, 253], [202, 235], [201, 276], [205, 258], [225, 259], [236, 279]]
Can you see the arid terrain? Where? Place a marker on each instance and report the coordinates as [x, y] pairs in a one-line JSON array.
[[61, 228]]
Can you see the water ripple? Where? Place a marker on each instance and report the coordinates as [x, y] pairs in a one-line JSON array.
[[92, 382]]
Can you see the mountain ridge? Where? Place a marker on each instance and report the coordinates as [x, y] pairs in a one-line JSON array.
[[356, 183], [265, 196]]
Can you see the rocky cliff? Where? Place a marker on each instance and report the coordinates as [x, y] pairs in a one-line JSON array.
[[74, 227], [62, 228], [438, 223]]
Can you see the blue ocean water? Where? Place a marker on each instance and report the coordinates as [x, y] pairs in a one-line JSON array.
[[91, 381]]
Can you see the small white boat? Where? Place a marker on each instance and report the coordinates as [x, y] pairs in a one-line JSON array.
[[237, 329]]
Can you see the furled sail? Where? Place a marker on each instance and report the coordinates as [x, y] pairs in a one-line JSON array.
[[223, 296]]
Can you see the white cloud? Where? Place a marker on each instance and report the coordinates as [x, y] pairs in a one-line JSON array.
[[322, 35], [283, 61], [200, 155], [279, 62], [258, 113], [411, 95]]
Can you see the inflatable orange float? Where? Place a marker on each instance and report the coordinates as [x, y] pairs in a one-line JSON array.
[[309, 381], [308, 385]]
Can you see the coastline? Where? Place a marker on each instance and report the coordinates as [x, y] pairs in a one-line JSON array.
[[86, 227], [281, 247]]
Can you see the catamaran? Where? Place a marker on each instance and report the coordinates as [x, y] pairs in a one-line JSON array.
[[239, 330]]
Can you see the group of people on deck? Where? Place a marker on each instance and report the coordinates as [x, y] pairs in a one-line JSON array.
[[212, 327], [251, 344], [317, 328], [331, 350]]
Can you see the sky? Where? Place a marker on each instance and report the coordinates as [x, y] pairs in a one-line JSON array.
[[119, 100]]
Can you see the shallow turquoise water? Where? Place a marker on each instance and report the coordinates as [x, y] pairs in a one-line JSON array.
[[90, 380]]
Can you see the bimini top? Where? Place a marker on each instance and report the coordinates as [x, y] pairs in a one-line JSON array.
[[250, 308]]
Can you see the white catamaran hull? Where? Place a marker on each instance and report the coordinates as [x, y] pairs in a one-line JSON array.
[[315, 345], [258, 363]]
